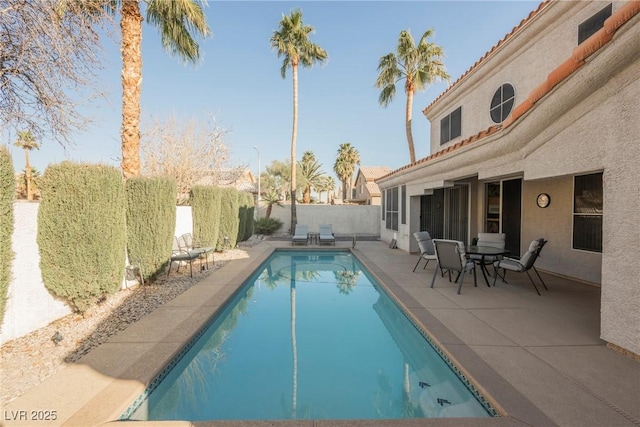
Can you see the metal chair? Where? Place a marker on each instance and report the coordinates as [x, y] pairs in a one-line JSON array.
[[524, 264], [427, 251], [451, 256], [180, 255]]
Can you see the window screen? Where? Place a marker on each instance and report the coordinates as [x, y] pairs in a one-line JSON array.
[[587, 212]]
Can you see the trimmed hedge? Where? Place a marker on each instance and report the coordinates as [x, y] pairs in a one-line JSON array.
[[7, 194], [81, 232], [205, 212], [151, 222], [229, 221], [244, 221], [250, 222]]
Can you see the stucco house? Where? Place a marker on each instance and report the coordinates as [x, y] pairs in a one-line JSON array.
[[365, 190], [541, 138]]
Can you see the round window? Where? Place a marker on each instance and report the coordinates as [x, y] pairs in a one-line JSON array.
[[502, 103]]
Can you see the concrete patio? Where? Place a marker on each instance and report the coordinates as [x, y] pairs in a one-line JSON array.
[[539, 359]]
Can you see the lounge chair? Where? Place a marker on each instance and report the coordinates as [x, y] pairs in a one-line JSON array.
[[301, 234], [325, 234], [187, 243], [180, 255]]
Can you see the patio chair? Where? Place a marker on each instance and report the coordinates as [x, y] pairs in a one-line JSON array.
[[325, 234], [425, 244], [451, 256], [301, 234], [187, 243], [180, 255], [524, 264]]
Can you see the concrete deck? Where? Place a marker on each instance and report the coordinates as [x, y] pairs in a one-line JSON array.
[[539, 359]]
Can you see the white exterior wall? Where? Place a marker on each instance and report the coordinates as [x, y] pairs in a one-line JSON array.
[[588, 123], [345, 219], [30, 305], [551, 37]]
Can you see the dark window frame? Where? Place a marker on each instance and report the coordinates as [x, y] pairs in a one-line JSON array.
[[590, 26], [502, 103], [451, 126], [403, 205], [588, 211], [391, 208]]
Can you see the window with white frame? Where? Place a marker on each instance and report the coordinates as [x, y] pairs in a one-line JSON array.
[[587, 212], [391, 208], [451, 126]]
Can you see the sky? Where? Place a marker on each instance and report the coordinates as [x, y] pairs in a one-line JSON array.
[[238, 81]]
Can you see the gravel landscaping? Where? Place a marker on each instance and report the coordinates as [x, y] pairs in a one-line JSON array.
[[30, 359]]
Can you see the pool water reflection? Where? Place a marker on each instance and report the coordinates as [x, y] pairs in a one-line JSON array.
[[310, 336]]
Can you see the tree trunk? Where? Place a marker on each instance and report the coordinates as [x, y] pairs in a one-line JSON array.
[[268, 211], [306, 196], [408, 114], [131, 27], [294, 135], [344, 191]]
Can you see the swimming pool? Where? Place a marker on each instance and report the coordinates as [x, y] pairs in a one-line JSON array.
[[310, 335]]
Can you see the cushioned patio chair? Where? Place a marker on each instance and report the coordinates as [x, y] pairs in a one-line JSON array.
[[301, 234], [187, 243], [180, 255], [325, 234], [451, 256], [425, 244], [524, 264]]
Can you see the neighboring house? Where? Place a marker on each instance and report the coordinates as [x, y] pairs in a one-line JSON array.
[[541, 138], [239, 178], [366, 191]]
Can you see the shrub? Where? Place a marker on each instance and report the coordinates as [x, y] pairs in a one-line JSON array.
[[151, 222], [249, 228], [268, 226], [245, 214], [228, 218], [205, 211], [81, 232], [7, 192]]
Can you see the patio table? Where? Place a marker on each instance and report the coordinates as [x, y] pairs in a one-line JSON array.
[[485, 251]]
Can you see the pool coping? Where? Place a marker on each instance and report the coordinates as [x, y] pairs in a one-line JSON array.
[[103, 384]]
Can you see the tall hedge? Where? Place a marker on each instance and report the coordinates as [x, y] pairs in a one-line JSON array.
[[245, 230], [81, 232], [205, 213], [229, 221], [151, 222], [7, 193]]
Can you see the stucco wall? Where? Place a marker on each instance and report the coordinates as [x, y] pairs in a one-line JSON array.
[[345, 219], [551, 37], [30, 306]]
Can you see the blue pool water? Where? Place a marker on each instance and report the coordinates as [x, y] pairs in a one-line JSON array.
[[310, 336]]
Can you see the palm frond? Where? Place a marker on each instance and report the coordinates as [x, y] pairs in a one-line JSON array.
[[178, 21]]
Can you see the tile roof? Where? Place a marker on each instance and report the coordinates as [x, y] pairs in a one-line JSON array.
[[373, 172], [373, 189], [564, 70]]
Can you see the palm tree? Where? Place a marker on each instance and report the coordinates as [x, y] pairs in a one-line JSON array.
[[271, 197], [310, 173], [176, 21], [345, 165], [27, 142], [292, 42], [418, 65]]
